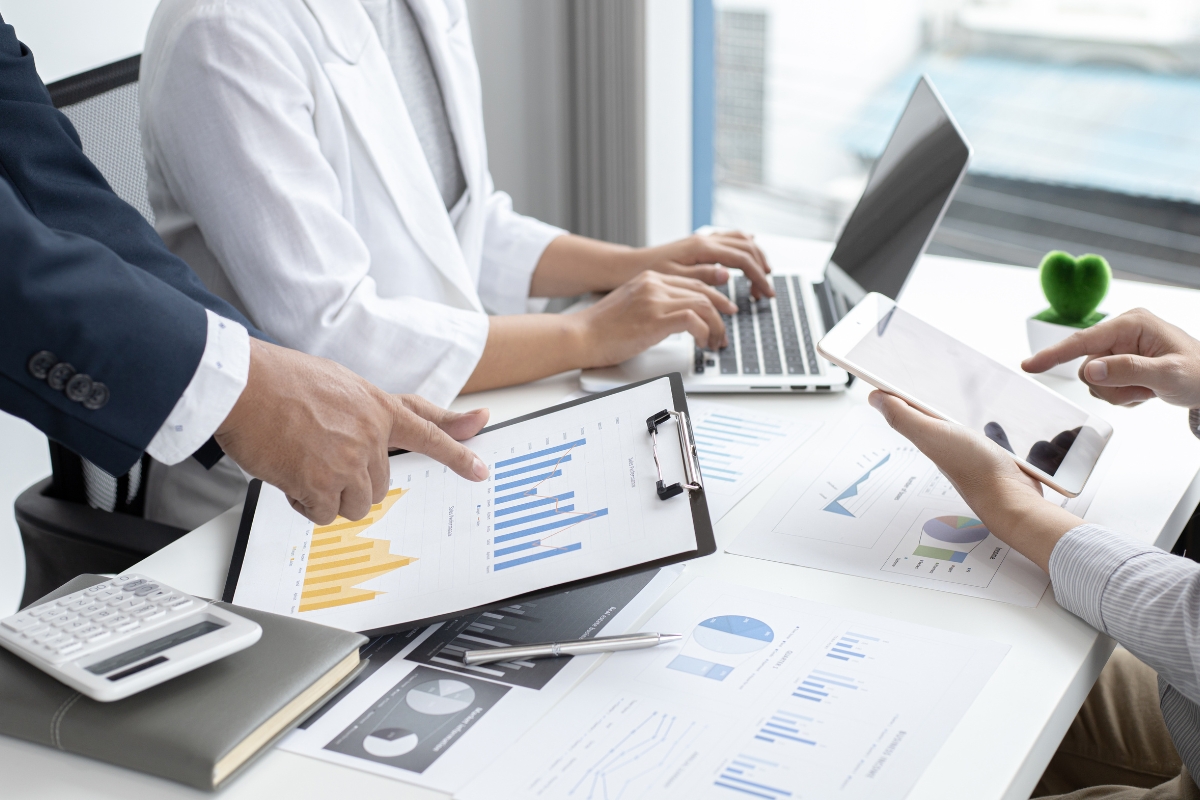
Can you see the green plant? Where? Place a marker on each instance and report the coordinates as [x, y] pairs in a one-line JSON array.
[[1074, 287]]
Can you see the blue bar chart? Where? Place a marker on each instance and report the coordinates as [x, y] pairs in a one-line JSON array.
[[534, 518], [751, 776]]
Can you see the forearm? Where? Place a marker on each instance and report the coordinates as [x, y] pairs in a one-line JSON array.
[[1146, 599], [526, 347], [573, 265]]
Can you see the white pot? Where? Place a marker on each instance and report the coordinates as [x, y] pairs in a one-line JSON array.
[[1043, 334]]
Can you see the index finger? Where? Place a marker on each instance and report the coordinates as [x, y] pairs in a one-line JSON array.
[[718, 300], [420, 435], [730, 256], [745, 242], [1098, 340]]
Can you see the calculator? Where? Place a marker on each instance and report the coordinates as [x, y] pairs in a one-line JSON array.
[[127, 634]]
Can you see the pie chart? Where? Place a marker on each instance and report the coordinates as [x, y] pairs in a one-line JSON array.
[[439, 698], [390, 742], [734, 635], [955, 530]]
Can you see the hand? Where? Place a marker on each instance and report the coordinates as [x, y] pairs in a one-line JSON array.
[[1008, 501], [1130, 359], [705, 257], [645, 310], [321, 433]]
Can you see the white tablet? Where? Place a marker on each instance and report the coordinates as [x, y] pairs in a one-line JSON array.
[[1051, 438]]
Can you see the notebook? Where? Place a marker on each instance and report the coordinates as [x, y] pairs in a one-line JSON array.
[[199, 729]]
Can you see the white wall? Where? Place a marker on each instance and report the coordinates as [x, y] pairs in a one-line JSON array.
[[71, 36], [668, 120]]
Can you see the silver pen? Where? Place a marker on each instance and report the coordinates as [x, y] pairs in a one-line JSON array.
[[601, 644]]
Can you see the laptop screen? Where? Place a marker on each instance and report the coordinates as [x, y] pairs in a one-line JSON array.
[[908, 189]]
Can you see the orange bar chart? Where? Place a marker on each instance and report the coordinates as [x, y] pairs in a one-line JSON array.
[[341, 556]]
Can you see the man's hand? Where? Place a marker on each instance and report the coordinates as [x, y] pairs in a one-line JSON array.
[[1130, 359], [321, 433], [1008, 501], [645, 310]]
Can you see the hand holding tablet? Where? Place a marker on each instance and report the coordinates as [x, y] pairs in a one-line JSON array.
[[1050, 438]]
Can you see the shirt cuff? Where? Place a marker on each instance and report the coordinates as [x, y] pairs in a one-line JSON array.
[[210, 395], [1081, 565]]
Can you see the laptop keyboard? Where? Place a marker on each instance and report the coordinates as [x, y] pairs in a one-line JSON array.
[[770, 336]]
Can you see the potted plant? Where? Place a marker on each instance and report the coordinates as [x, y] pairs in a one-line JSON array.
[[1074, 287]]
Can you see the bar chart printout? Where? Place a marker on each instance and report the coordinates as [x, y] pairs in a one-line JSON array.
[[569, 496], [739, 447], [535, 513], [836, 704]]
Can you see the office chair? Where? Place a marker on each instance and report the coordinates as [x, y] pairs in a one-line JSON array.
[[81, 519]]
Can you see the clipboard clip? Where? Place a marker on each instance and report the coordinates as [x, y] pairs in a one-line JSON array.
[[691, 466]]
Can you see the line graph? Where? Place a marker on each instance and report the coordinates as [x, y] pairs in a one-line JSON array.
[[523, 511]]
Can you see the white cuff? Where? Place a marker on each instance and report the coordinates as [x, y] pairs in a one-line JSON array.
[[209, 396]]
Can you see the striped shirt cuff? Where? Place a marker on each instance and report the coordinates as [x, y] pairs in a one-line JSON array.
[[1081, 565]]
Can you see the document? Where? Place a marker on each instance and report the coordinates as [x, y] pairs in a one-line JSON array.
[[868, 503], [739, 447], [570, 495], [768, 696], [423, 717]]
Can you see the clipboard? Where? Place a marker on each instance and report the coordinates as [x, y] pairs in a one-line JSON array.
[[278, 567]]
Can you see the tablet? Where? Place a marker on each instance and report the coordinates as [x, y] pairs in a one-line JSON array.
[[574, 495], [1051, 438]]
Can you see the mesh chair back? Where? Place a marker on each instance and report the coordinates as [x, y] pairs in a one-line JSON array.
[[102, 104]]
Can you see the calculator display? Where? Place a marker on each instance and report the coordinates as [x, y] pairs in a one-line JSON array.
[[157, 646]]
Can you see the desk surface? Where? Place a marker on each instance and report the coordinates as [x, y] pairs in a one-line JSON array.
[[1007, 737]]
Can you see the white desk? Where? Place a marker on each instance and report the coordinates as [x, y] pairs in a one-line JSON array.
[[1007, 737]]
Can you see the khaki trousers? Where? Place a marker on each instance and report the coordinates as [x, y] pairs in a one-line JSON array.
[[1118, 747]]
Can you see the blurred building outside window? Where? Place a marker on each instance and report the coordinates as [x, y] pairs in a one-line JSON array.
[[1084, 116]]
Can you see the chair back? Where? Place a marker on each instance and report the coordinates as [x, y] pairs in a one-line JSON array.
[[102, 104]]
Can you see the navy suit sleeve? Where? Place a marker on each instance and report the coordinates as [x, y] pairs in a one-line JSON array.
[[116, 323], [41, 156]]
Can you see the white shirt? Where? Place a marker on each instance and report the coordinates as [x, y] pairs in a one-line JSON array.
[[284, 167], [210, 395]]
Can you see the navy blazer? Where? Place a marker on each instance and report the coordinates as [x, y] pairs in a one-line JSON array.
[[87, 288]]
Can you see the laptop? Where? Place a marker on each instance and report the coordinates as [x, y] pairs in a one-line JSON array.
[[772, 342]]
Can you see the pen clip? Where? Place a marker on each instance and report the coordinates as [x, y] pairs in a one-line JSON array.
[[687, 446]]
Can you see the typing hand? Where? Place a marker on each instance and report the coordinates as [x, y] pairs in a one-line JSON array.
[[1130, 359], [1008, 501], [705, 257], [647, 309], [321, 433]]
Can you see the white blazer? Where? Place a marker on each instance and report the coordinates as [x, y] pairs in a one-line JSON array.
[[284, 167]]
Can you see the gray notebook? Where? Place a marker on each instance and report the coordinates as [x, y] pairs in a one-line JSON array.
[[201, 728]]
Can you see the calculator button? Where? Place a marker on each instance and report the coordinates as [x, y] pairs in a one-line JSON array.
[[146, 589], [66, 601], [129, 605], [148, 613], [37, 630], [82, 602], [63, 619], [44, 608], [128, 580], [177, 604], [92, 591], [93, 633], [91, 610], [122, 623], [20, 623], [117, 599], [76, 625], [68, 648], [52, 637], [106, 615]]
